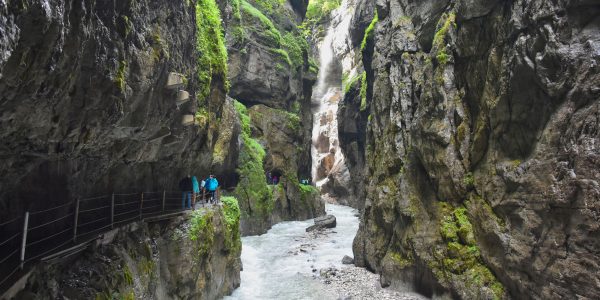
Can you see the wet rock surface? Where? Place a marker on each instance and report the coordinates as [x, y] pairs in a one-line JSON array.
[[323, 222], [347, 260], [274, 82], [85, 108], [280, 134], [469, 193]]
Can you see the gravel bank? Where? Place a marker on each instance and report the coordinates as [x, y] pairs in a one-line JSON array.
[[357, 283]]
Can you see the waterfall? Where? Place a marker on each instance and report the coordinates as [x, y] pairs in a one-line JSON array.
[[328, 162]]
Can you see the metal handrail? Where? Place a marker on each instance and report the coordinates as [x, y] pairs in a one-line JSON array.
[[94, 198], [164, 202], [8, 256], [10, 221], [49, 237], [50, 222], [50, 209], [94, 209], [92, 222], [10, 238], [127, 212]]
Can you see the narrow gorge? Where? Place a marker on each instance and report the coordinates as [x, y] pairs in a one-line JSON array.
[[454, 144]]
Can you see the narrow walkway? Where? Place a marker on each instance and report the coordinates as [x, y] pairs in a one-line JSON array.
[[66, 229]]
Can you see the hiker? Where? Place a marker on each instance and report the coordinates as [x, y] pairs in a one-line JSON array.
[[186, 188], [196, 188], [211, 186], [269, 178], [275, 180]]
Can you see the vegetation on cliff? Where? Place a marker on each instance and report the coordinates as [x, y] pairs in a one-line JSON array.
[[447, 22], [212, 59], [231, 211], [318, 10], [369, 32], [202, 229], [252, 188], [462, 257], [257, 19]]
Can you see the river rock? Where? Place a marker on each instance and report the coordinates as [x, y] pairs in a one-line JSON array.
[[327, 221], [347, 260]]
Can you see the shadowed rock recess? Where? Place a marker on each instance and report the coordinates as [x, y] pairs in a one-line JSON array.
[[482, 155]]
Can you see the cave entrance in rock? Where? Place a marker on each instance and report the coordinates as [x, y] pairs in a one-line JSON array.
[[274, 175]]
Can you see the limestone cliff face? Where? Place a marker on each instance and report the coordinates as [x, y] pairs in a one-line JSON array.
[[353, 112], [271, 77], [482, 151], [269, 61], [191, 257], [84, 103], [281, 135]]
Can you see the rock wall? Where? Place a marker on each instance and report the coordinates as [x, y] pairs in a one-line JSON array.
[[482, 148], [270, 74], [269, 61], [271, 141], [353, 112], [84, 106], [189, 257]]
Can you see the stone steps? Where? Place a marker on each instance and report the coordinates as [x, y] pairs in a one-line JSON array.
[[175, 81]]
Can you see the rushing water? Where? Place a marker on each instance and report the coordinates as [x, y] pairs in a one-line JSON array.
[[280, 263], [326, 154]]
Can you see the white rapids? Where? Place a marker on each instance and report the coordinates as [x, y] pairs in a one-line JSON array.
[[280, 263], [285, 263]]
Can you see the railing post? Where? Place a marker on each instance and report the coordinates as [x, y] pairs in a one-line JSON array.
[[141, 204], [163, 200], [112, 211], [76, 220], [24, 241]]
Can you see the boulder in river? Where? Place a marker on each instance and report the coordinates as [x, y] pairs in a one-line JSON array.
[[347, 260], [327, 221]]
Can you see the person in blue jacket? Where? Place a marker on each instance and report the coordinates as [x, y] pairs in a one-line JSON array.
[[211, 186], [196, 190]]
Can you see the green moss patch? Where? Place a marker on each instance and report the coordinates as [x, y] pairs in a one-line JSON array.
[[363, 91], [231, 211], [369, 32], [120, 77], [252, 188], [269, 6], [262, 24], [212, 59], [289, 46], [202, 231], [399, 260], [462, 259], [348, 83], [318, 10], [447, 22]]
